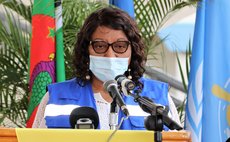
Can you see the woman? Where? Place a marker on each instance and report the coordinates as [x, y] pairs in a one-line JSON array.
[[108, 44]]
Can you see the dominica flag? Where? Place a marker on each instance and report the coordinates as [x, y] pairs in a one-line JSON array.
[[46, 52]]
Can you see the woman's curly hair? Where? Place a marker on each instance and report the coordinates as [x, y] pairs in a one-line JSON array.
[[116, 19]]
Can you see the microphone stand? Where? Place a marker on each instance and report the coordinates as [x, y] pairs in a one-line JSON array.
[[113, 116], [157, 116]]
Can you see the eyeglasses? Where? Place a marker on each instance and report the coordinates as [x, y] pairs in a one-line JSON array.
[[101, 47]]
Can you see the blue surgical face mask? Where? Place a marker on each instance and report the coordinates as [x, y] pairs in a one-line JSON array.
[[105, 68]]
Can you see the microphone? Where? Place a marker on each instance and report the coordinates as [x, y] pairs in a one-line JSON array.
[[125, 84], [111, 87], [84, 118], [150, 107]]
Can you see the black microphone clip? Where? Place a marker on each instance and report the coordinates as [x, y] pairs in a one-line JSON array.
[[123, 81], [125, 85]]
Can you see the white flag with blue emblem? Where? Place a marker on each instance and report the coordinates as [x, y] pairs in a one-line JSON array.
[[208, 105]]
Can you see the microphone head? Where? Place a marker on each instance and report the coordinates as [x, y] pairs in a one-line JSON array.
[[108, 83], [84, 113], [112, 88]]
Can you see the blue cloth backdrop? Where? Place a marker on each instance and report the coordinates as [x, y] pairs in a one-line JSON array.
[[126, 5]]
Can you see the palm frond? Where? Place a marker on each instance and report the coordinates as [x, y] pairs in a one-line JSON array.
[[181, 73], [14, 51], [152, 14], [74, 14], [14, 86], [19, 7], [12, 36], [184, 79], [188, 58]]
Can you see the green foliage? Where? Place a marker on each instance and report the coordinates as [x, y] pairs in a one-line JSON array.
[[74, 14], [14, 51], [18, 7], [152, 14], [183, 77]]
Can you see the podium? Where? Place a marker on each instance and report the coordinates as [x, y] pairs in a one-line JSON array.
[[69, 135]]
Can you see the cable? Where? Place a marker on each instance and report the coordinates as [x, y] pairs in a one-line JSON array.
[[111, 136]]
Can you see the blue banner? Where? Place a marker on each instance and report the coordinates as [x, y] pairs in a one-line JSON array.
[[208, 104], [126, 5]]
